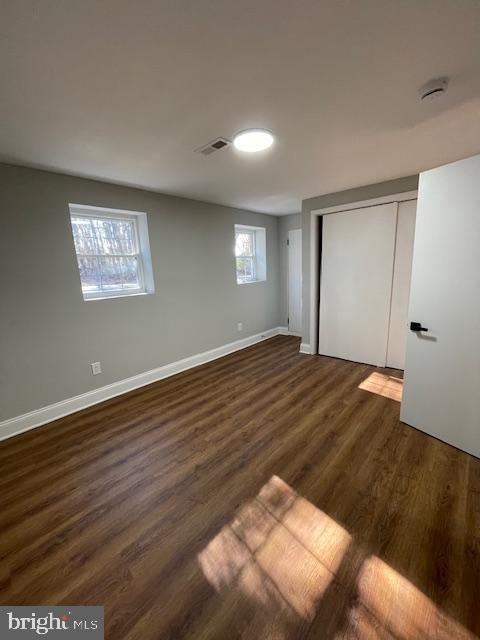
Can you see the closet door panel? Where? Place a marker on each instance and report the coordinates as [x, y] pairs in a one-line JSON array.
[[356, 283], [402, 273]]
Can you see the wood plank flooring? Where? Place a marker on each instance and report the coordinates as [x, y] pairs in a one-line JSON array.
[[261, 496]]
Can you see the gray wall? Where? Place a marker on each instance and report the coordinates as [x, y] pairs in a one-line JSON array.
[[49, 335], [285, 224], [377, 190]]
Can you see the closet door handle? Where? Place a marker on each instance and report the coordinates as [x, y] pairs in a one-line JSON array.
[[417, 326]]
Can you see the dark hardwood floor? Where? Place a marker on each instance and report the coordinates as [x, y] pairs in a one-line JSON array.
[[263, 495]]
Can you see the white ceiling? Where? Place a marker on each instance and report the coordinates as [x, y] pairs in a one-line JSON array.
[[125, 90]]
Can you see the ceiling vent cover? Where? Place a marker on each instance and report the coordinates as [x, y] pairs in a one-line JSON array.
[[433, 89], [214, 145]]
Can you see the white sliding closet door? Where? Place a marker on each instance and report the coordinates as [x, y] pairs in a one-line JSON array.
[[356, 283], [402, 274]]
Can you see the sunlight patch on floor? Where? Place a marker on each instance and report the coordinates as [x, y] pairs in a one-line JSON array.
[[383, 385], [387, 599], [281, 558], [280, 551]]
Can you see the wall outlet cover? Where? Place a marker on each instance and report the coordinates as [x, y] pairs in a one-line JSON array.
[[96, 368]]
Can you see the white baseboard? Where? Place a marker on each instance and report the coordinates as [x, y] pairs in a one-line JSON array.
[[39, 417], [305, 348], [283, 331]]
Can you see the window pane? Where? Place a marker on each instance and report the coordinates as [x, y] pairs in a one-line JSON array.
[[125, 236], [86, 245], [89, 274], [244, 244], [245, 269], [111, 273], [119, 273], [102, 236], [117, 237], [130, 275], [84, 236], [105, 237]]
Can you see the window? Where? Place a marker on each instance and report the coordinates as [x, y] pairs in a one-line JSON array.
[[113, 252], [250, 254]]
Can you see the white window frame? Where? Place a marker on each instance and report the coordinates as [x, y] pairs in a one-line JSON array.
[[259, 260], [142, 249]]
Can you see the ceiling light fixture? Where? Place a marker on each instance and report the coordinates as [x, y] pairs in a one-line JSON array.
[[253, 140]]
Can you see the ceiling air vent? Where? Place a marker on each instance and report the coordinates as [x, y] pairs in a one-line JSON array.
[[433, 89], [214, 145]]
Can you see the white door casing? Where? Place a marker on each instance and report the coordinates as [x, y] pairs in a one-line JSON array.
[[295, 281]]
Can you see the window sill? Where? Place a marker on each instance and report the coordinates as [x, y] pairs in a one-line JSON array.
[[116, 297], [251, 281]]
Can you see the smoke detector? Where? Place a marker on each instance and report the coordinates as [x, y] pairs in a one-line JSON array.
[[433, 89], [214, 145]]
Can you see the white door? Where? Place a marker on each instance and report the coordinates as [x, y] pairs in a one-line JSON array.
[[356, 283], [442, 371], [402, 273], [295, 281]]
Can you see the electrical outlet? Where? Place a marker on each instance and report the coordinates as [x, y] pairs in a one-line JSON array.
[[239, 326], [96, 368]]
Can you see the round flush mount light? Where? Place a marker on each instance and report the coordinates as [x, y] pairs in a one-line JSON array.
[[253, 140]]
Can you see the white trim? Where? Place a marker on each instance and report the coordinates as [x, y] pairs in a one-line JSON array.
[[314, 282], [251, 281], [284, 331], [391, 284], [89, 210], [373, 202], [130, 295], [249, 227], [305, 348], [259, 252], [293, 333], [39, 417], [314, 250]]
